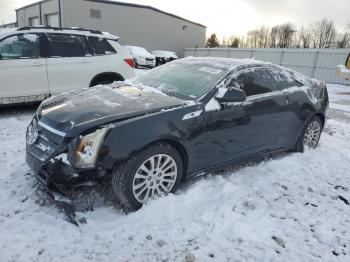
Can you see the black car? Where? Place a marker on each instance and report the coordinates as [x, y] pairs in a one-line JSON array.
[[177, 121], [163, 57]]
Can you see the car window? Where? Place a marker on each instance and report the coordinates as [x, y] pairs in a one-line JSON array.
[[255, 81], [100, 46], [62, 45], [283, 80], [189, 81], [20, 47]]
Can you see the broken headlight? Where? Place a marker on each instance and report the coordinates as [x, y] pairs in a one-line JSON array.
[[88, 147]]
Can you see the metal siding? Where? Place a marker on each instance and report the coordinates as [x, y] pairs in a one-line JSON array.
[[135, 26], [318, 63]]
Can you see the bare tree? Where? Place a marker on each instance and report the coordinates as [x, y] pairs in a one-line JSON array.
[[273, 37], [304, 38], [344, 38], [323, 33], [285, 35], [263, 36], [252, 38]]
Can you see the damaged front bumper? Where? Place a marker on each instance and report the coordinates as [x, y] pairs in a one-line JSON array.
[[45, 157]]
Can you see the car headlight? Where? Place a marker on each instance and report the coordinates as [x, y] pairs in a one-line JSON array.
[[88, 148]]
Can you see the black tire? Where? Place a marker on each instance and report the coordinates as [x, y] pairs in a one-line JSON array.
[[300, 143], [124, 173]]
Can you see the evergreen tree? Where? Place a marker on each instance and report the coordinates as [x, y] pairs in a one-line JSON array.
[[213, 41]]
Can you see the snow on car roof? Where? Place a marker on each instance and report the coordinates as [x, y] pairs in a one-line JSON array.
[[8, 31], [220, 62]]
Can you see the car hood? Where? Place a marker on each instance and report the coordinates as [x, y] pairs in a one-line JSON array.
[[76, 112]]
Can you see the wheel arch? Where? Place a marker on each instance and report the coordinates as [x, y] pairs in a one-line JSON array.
[[321, 115], [104, 75], [180, 148]]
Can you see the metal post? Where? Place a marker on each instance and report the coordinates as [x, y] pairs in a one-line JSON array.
[[315, 63], [59, 13], [16, 18], [281, 58], [40, 18]]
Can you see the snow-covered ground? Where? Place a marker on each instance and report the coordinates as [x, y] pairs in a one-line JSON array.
[[292, 207]]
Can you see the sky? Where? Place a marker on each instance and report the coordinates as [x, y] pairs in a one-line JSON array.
[[233, 17]]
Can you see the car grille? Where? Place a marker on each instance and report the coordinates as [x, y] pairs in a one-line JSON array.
[[150, 59], [43, 149], [45, 146]]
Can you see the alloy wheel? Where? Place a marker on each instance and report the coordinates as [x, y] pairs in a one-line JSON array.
[[155, 176], [312, 134]]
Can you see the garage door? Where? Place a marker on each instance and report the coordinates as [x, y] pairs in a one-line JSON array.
[[52, 20]]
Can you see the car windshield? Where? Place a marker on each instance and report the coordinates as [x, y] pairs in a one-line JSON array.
[[138, 50], [182, 80]]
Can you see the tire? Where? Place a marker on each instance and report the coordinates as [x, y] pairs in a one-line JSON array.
[[128, 176], [312, 139]]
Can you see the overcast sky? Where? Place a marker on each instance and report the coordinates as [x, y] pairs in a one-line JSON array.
[[227, 17]]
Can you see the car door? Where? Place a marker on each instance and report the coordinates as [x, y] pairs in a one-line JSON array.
[[22, 68], [295, 96], [244, 129], [69, 62]]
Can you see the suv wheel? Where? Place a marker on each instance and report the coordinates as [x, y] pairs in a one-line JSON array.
[[152, 172], [311, 134]]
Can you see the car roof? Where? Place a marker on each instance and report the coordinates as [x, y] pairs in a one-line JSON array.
[[224, 63], [58, 30]]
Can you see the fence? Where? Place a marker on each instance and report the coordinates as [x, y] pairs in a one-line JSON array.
[[317, 63]]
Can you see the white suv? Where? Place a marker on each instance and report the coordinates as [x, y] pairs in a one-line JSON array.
[[38, 62], [141, 56]]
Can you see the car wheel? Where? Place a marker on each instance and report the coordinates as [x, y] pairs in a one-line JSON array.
[[311, 134], [152, 172]]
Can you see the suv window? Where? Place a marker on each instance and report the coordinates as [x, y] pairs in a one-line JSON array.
[[284, 80], [21, 46], [256, 81], [100, 46], [62, 45]]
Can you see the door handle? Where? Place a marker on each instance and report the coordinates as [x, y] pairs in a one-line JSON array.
[[37, 64]]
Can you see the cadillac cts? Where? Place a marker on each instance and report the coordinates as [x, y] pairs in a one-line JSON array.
[[182, 119]]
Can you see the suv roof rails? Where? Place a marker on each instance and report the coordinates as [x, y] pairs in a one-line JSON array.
[[59, 28]]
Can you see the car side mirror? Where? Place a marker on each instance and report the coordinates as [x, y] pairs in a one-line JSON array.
[[232, 95]]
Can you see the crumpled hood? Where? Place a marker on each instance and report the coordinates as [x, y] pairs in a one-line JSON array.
[[73, 113]]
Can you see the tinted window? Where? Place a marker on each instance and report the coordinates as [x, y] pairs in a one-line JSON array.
[[20, 47], [61, 45], [256, 81], [100, 46], [283, 80]]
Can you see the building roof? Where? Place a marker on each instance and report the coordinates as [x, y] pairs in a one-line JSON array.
[[127, 4]]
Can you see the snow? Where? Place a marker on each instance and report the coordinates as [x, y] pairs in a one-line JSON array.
[[212, 105], [286, 208]]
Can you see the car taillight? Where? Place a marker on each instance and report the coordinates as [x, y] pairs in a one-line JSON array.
[[130, 62]]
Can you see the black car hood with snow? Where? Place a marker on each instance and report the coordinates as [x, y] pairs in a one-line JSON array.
[[73, 113]]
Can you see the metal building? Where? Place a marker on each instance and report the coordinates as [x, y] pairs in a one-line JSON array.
[[138, 25]]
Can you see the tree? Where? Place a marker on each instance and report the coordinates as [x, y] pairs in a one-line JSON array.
[[213, 41], [323, 33], [344, 41], [304, 38], [285, 34], [233, 42]]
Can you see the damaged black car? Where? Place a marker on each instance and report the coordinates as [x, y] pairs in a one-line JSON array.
[[183, 119]]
